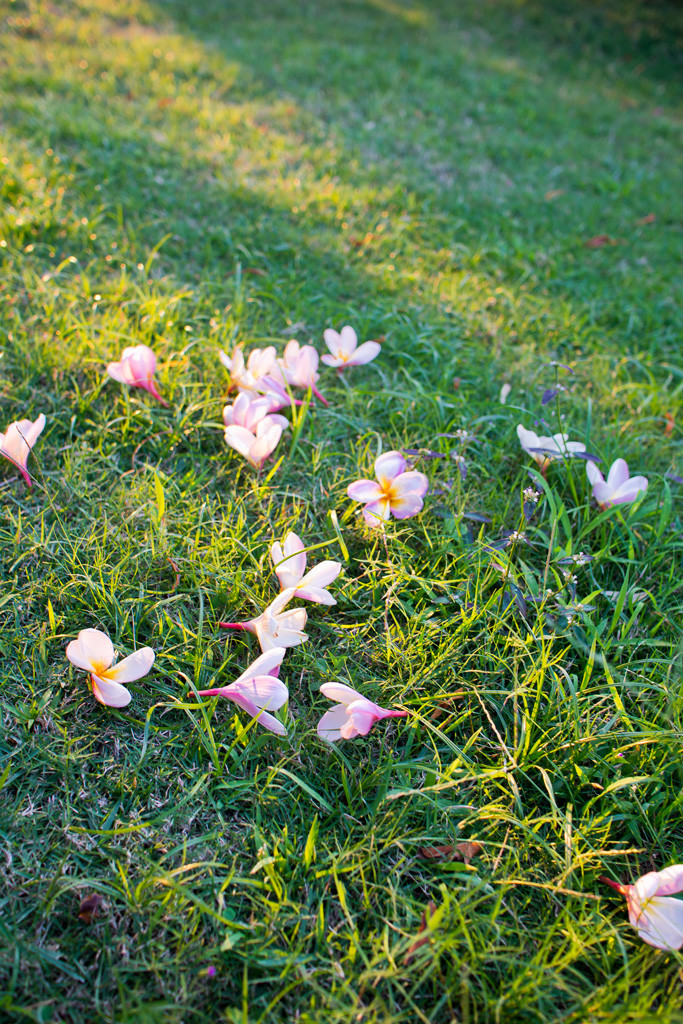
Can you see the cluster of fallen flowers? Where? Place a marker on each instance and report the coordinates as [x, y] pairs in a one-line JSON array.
[[253, 428]]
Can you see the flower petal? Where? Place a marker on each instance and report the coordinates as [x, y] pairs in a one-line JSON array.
[[364, 490], [618, 474], [407, 506], [321, 575], [289, 560], [388, 466], [629, 490], [264, 664], [240, 439], [364, 354], [332, 722], [593, 473], [375, 512], [412, 483], [263, 718], [340, 692], [135, 666], [110, 693], [670, 880], [333, 361], [97, 650], [265, 692]]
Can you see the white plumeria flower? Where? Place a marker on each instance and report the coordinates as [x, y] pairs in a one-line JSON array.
[[260, 363], [93, 651], [290, 567], [555, 447], [395, 491], [275, 627], [653, 909], [299, 367], [345, 350], [18, 440], [354, 715], [258, 690], [619, 488], [251, 430]]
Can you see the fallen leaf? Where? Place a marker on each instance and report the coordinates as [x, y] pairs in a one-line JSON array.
[[456, 383], [423, 935], [165, 101], [256, 271], [460, 851], [670, 424], [599, 240], [649, 219], [89, 907], [554, 194]]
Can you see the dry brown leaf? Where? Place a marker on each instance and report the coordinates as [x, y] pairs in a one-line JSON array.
[[554, 194], [670, 424], [650, 218], [460, 851], [165, 101], [423, 935], [597, 241], [88, 907]]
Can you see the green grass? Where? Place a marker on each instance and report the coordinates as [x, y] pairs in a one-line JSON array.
[[192, 175]]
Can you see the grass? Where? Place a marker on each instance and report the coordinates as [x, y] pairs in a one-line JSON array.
[[193, 175]]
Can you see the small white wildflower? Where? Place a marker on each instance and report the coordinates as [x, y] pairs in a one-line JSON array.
[[531, 495]]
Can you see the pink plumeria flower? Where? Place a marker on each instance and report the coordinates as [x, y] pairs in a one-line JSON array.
[[345, 350], [93, 651], [136, 368], [246, 376], [275, 627], [290, 568], [251, 430], [276, 393], [619, 488], [299, 366], [18, 440], [555, 447], [258, 690], [653, 909], [395, 492], [354, 715]]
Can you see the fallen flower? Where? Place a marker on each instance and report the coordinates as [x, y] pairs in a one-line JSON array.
[[355, 715], [257, 691], [396, 493], [299, 366], [653, 909], [136, 368], [345, 350], [544, 449], [246, 376], [93, 651], [289, 560], [18, 440], [275, 627], [619, 488], [251, 429]]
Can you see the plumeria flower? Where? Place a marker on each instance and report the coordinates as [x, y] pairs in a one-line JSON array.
[[251, 430], [261, 362], [653, 909], [545, 449], [394, 493], [93, 651], [258, 690], [136, 368], [18, 440], [619, 488], [276, 393], [299, 365], [290, 568], [276, 627], [354, 715], [345, 350]]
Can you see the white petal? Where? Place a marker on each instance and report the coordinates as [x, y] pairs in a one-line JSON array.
[[364, 490], [112, 694], [618, 474], [593, 473], [332, 722], [364, 354], [341, 692], [135, 666], [96, 650], [321, 575], [388, 466], [264, 664], [240, 439], [670, 880]]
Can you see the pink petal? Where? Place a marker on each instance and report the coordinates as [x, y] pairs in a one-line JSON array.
[[364, 490], [268, 434], [629, 490], [618, 474], [361, 721], [593, 473], [289, 560], [332, 722], [264, 664], [240, 439], [96, 649], [318, 595], [321, 575], [404, 508], [365, 354], [112, 694], [333, 361], [119, 372], [265, 692], [413, 484], [340, 692], [263, 718], [388, 466], [670, 880], [34, 431], [135, 666], [348, 340], [375, 512]]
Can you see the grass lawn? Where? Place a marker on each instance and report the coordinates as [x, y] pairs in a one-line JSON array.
[[493, 187]]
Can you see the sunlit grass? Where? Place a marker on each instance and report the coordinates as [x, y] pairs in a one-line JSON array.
[[189, 177]]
